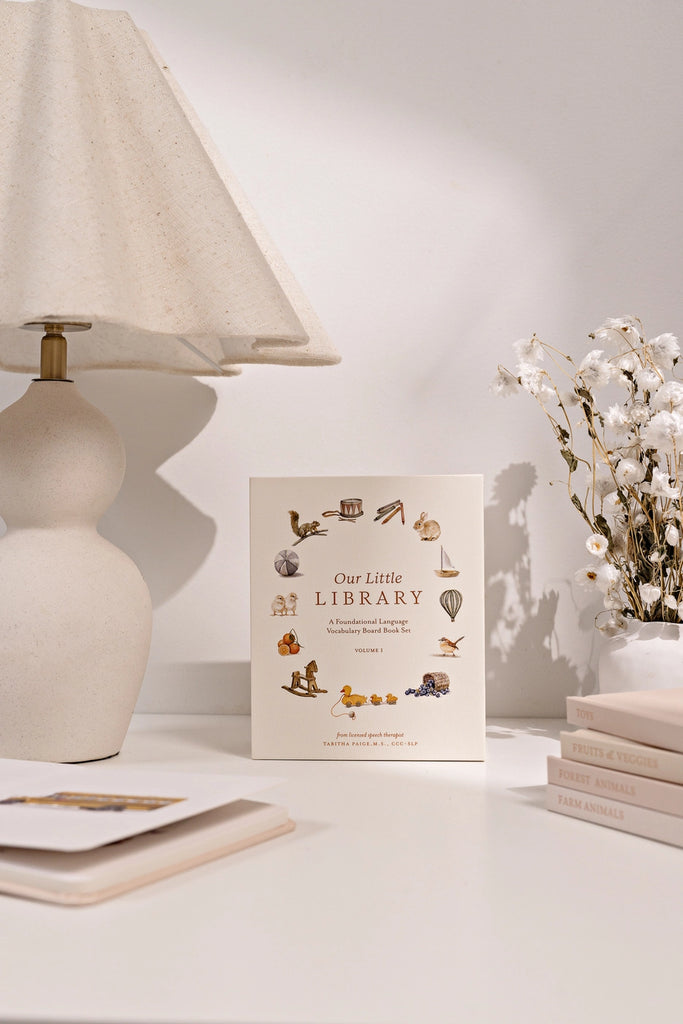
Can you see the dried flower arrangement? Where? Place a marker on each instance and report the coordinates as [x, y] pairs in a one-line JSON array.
[[629, 442]]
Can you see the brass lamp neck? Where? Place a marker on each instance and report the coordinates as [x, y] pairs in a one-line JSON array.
[[53, 345], [53, 353]]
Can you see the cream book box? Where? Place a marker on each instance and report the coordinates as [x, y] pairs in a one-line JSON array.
[[367, 618]]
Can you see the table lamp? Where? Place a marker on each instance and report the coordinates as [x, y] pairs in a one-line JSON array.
[[121, 232]]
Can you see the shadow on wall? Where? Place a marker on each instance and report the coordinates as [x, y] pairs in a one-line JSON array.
[[523, 675], [157, 415]]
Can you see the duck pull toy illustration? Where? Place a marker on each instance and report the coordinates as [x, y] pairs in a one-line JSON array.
[[349, 700], [357, 700], [305, 685]]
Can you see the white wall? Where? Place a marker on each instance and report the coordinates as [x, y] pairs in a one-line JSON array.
[[443, 178]]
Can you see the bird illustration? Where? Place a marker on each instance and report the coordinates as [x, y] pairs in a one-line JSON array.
[[449, 646]]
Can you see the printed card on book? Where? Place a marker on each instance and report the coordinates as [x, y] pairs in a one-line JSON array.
[[147, 826], [367, 618]]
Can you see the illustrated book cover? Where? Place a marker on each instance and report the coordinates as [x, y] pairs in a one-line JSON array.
[[654, 717], [77, 834], [367, 618]]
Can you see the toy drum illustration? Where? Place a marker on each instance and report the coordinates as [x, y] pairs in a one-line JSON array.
[[349, 509]]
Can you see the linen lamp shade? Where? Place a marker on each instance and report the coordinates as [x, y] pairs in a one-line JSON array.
[[119, 227], [116, 210]]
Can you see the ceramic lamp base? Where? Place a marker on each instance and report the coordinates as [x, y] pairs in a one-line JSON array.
[[75, 613]]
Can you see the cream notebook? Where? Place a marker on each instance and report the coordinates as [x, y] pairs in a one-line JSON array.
[[81, 834]]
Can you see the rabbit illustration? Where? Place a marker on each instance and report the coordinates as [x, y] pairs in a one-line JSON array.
[[428, 529]]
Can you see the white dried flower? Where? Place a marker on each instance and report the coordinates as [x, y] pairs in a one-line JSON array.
[[617, 420], [597, 545], [649, 594], [611, 504], [595, 370], [665, 430], [664, 350], [586, 577], [628, 362], [608, 581], [660, 487], [648, 379], [619, 325], [629, 472], [639, 414], [669, 396], [535, 381], [633, 457], [529, 350], [504, 383], [601, 481], [672, 536]]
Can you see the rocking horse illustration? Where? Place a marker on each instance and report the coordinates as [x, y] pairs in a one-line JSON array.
[[305, 685]]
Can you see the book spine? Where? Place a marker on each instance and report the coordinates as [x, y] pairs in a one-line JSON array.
[[632, 725], [631, 789], [640, 821], [592, 747]]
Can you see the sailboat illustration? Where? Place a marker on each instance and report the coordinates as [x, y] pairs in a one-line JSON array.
[[446, 567]]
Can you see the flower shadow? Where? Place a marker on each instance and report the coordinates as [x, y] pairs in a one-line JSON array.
[[524, 674]]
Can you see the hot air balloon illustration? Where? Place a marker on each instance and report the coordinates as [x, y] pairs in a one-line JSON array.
[[451, 601]]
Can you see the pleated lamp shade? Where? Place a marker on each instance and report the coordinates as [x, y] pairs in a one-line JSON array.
[[115, 210]]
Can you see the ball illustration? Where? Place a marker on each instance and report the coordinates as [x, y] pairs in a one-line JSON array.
[[286, 562]]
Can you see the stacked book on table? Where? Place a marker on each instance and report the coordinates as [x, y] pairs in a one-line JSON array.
[[623, 766], [81, 833]]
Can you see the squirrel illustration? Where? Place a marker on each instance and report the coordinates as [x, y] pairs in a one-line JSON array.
[[303, 530]]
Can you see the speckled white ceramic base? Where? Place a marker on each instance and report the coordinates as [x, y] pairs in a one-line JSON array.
[[75, 613]]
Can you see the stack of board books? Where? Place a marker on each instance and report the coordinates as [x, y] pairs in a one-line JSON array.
[[623, 766]]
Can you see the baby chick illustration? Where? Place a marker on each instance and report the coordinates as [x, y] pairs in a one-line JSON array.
[[449, 647]]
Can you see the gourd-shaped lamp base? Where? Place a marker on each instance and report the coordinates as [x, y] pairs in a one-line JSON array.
[[75, 613]]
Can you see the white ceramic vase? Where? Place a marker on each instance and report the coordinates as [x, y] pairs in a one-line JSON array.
[[645, 656], [75, 613]]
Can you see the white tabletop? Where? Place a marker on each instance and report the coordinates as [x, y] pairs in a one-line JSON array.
[[409, 892]]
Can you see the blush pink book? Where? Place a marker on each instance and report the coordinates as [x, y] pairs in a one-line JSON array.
[[641, 821], [654, 717], [592, 747], [617, 785]]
